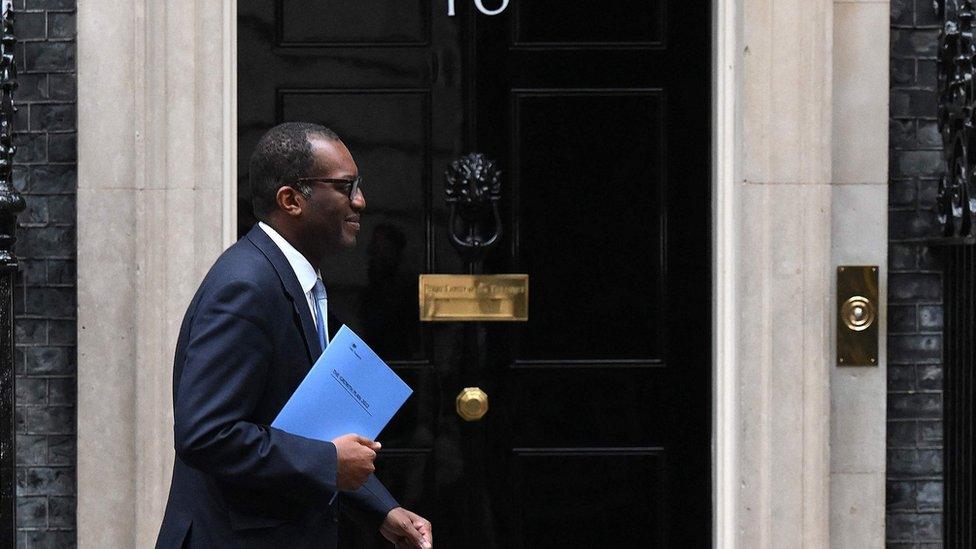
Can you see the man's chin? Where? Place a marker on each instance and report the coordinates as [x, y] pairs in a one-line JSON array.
[[350, 241]]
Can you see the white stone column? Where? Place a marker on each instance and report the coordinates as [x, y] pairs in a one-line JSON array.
[[156, 205], [774, 276], [801, 117], [859, 224]]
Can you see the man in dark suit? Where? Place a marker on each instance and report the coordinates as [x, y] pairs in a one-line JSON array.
[[252, 331]]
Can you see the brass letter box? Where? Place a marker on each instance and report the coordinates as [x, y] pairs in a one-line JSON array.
[[453, 298]]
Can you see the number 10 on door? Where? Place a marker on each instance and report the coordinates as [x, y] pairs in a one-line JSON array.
[[481, 7]]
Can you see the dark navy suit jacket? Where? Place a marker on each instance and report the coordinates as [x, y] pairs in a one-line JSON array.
[[246, 342]]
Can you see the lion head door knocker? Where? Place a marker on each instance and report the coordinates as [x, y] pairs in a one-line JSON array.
[[472, 186]]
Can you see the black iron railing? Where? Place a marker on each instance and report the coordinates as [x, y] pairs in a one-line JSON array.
[[11, 203], [955, 249]]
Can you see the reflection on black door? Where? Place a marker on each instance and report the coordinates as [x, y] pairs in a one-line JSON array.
[[597, 113]]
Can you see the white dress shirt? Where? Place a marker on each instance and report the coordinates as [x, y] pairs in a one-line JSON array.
[[303, 270]]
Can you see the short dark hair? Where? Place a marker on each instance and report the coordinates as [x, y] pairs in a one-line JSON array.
[[282, 155]]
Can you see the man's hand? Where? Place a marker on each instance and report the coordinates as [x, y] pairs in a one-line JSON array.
[[405, 529], [355, 455]]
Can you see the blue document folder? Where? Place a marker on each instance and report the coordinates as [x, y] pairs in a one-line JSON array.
[[348, 390]]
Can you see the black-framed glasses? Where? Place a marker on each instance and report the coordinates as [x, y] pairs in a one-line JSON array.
[[347, 187]]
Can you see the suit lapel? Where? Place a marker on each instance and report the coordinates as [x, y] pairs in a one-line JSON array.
[[292, 288]]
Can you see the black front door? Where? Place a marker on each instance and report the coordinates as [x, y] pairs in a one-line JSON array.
[[597, 113]]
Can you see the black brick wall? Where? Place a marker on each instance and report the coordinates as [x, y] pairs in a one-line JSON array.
[[45, 301], [915, 480]]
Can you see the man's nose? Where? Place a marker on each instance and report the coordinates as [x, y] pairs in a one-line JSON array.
[[358, 200]]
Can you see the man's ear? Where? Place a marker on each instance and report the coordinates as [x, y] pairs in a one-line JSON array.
[[290, 201]]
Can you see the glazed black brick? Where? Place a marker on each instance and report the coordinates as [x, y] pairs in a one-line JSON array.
[[22, 117], [63, 86], [20, 419], [52, 117], [49, 56], [929, 433], [35, 214], [32, 449], [61, 511], [926, 74], [911, 43], [49, 4], [31, 87], [910, 464], [32, 271], [928, 134], [901, 133], [56, 420], [54, 179], [61, 25], [902, 257], [902, 12], [928, 495], [47, 242], [902, 72], [61, 272], [31, 147], [928, 377], [902, 193], [901, 377], [31, 511], [61, 209], [29, 26], [20, 178], [930, 318], [19, 293], [917, 405], [61, 450], [45, 539], [62, 147], [909, 102], [901, 319], [900, 495], [62, 332], [914, 287], [900, 527], [902, 434], [914, 348], [917, 164], [927, 260], [50, 360], [928, 192], [925, 15], [53, 302], [28, 331], [904, 225], [31, 391], [34, 481], [928, 526], [61, 391], [917, 527]]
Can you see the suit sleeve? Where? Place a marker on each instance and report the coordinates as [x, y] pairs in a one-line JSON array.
[[370, 504], [228, 353]]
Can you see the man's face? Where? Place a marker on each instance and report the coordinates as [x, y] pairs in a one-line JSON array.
[[331, 222]]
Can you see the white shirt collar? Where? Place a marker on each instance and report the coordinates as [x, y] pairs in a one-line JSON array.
[[303, 269]]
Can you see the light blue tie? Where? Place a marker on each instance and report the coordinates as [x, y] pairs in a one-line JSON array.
[[321, 306]]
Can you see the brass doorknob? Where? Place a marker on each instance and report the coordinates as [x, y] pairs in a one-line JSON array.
[[471, 404]]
